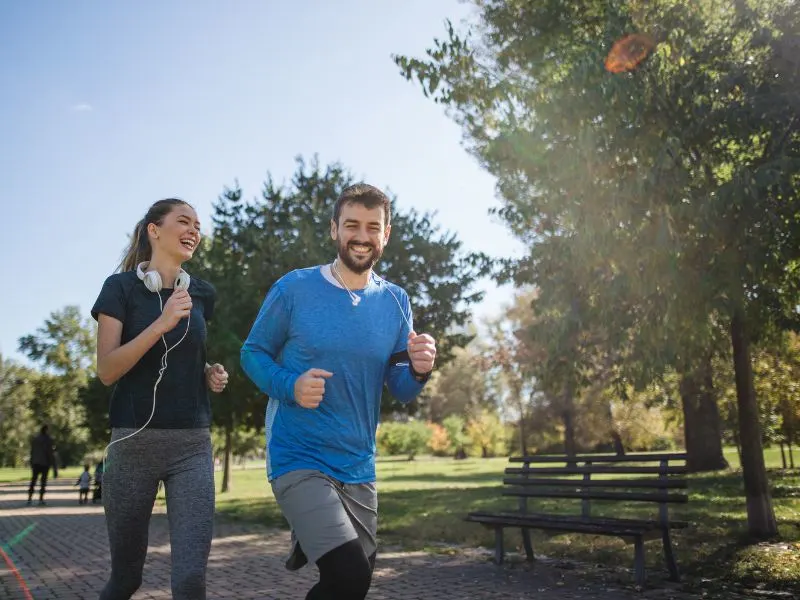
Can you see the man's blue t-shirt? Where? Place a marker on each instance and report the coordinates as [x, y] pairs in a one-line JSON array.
[[307, 321]]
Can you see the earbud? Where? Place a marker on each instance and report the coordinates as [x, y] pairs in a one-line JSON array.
[[353, 297]]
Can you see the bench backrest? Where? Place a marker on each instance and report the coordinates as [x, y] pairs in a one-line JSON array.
[[604, 477]]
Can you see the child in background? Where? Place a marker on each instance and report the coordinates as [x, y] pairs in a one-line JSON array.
[[83, 482]]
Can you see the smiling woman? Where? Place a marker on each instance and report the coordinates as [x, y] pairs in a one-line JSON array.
[[174, 224], [160, 417]]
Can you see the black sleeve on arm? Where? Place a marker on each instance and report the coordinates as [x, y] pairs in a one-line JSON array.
[[111, 300], [399, 359]]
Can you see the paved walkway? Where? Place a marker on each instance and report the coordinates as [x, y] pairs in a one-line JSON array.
[[61, 551]]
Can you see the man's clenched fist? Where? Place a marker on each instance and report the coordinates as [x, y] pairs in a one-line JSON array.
[[310, 387], [422, 352]]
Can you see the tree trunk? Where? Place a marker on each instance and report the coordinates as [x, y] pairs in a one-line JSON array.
[[760, 514], [619, 447], [569, 426], [791, 456], [523, 447], [783, 454], [226, 468], [616, 438], [702, 425]]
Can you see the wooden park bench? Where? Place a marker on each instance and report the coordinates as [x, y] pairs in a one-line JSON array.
[[604, 478]]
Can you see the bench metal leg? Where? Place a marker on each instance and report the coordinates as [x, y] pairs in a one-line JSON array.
[[526, 541], [669, 556], [498, 545], [638, 560]]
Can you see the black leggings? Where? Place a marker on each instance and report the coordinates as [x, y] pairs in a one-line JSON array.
[[181, 458], [345, 573]]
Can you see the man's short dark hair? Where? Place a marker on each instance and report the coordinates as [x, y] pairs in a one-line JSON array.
[[44, 429], [366, 195]]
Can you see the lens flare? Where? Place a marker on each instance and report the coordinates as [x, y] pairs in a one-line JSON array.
[[626, 53], [19, 537], [16, 573]]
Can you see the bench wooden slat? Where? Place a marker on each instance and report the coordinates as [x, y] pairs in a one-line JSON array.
[[596, 483], [568, 527], [595, 495], [591, 529], [618, 529], [515, 518], [598, 458], [674, 470]]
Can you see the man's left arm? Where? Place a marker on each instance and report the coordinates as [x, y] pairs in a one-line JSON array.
[[410, 369], [413, 357]]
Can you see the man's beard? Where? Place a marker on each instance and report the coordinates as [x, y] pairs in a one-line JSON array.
[[361, 264]]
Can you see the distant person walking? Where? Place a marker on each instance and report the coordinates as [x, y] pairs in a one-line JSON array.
[[43, 457]]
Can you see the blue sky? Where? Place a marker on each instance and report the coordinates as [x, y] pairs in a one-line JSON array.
[[107, 107]]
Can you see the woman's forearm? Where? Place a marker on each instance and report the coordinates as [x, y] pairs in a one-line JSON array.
[[119, 361]]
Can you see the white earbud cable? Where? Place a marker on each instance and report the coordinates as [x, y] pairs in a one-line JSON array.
[[155, 386], [388, 289], [356, 299]]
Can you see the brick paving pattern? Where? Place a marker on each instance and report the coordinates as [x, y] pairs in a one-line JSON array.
[[61, 552]]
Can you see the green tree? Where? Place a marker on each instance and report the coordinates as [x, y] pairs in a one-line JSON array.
[[65, 344], [455, 425], [65, 349], [460, 387], [95, 397], [675, 185], [16, 419], [508, 357], [55, 402], [485, 434], [407, 438]]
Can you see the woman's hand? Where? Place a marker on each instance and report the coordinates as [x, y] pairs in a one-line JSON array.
[[216, 377], [177, 307]]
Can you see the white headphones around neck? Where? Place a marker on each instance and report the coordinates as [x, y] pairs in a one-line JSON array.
[[152, 280]]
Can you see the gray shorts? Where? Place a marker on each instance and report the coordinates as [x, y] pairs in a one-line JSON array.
[[324, 514]]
